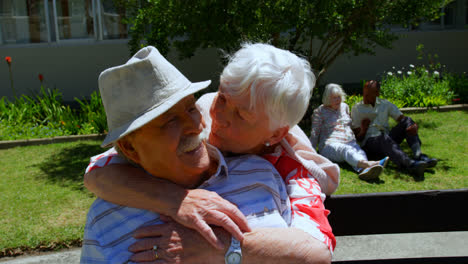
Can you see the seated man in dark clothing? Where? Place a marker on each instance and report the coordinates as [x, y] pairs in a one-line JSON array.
[[370, 125]]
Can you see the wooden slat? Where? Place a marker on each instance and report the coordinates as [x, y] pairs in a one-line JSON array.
[[399, 212]]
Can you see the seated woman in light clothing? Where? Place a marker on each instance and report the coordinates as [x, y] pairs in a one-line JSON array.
[[331, 131], [264, 91]]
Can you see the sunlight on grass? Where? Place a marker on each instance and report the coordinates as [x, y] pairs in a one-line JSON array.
[[445, 137], [44, 203]]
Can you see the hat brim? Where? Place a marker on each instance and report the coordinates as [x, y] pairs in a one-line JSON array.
[[146, 117]]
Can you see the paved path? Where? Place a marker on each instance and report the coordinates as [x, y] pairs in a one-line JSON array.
[[411, 245], [414, 245]]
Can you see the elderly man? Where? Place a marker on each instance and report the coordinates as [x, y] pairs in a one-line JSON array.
[[370, 124], [153, 122]]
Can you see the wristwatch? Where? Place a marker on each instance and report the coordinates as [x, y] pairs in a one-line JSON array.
[[234, 253]]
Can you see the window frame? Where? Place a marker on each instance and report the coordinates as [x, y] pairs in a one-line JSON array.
[[52, 27]]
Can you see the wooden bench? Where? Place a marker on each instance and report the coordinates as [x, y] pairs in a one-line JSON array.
[[400, 212]]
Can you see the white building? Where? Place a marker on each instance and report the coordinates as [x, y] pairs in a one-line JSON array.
[[70, 42]]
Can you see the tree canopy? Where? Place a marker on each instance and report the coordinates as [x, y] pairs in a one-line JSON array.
[[320, 30]]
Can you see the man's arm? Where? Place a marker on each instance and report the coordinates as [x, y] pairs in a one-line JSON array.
[[360, 132], [263, 245], [283, 245], [130, 186], [412, 129], [399, 118]]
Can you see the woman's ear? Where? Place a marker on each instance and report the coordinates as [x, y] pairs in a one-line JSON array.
[[126, 146], [278, 135]]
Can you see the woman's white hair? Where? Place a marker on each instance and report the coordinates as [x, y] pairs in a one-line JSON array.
[[330, 90], [277, 79]]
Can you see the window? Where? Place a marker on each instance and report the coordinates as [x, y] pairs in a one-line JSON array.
[[112, 16], [23, 21], [451, 18], [466, 12], [74, 19], [448, 20], [36, 21]]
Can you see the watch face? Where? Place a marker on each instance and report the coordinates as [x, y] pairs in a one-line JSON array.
[[234, 258]]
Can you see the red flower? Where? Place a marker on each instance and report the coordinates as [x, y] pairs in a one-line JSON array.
[[456, 99], [8, 59], [41, 77]]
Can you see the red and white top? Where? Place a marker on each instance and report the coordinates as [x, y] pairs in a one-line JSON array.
[[306, 197]]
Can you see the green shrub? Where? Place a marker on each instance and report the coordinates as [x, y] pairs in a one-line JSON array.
[[93, 113], [459, 85], [351, 100], [45, 115], [418, 86]]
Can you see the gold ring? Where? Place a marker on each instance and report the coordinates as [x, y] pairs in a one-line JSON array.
[[155, 249]]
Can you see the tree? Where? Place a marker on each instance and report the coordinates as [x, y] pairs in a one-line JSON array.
[[320, 30]]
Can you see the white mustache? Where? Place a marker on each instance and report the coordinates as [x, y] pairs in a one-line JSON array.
[[190, 143]]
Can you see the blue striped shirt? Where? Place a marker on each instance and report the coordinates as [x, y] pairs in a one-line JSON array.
[[249, 181]]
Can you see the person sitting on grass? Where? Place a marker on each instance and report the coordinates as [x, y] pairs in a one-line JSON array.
[[331, 131], [370, 124], [242, 179]]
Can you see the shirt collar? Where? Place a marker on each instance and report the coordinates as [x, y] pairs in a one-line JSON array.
[[377, 102], [328, 108], [214, 153]]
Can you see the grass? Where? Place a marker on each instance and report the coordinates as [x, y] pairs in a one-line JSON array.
[[44, 204], [445, 137]]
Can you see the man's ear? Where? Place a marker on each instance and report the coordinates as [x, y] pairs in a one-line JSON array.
[[278, 135], [126, 146]]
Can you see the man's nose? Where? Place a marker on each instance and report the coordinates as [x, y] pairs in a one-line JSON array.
[[194, 123]]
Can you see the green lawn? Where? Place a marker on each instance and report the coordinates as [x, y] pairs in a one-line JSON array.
[[44, 205], [445, 137], [43, 201]]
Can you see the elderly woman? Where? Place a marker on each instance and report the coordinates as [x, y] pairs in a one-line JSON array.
[[331, 131], [264, 92]]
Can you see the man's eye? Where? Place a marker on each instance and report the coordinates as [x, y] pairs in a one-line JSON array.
[[170, 121]]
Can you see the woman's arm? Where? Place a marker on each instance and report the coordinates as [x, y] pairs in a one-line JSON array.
[[297, 145], [262, 245], [196, 209], [306, 197], [316, 127], [130, 186]]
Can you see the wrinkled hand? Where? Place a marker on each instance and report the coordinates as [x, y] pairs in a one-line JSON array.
[[200, 208], [412, 130], [176, 244], [365, 123]]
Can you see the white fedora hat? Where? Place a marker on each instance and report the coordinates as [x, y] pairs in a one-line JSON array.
[[145, 87]]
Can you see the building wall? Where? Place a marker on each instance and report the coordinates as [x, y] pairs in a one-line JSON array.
[[451, 46], [74, 67]]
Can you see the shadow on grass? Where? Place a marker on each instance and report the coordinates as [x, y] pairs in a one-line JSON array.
[[347, 167], [67, 166], [428, 124]]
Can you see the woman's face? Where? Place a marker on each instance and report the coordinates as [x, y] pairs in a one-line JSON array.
[[335, 101], [235, 127]]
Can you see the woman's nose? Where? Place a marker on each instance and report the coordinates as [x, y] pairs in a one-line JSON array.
[[218, 113]]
